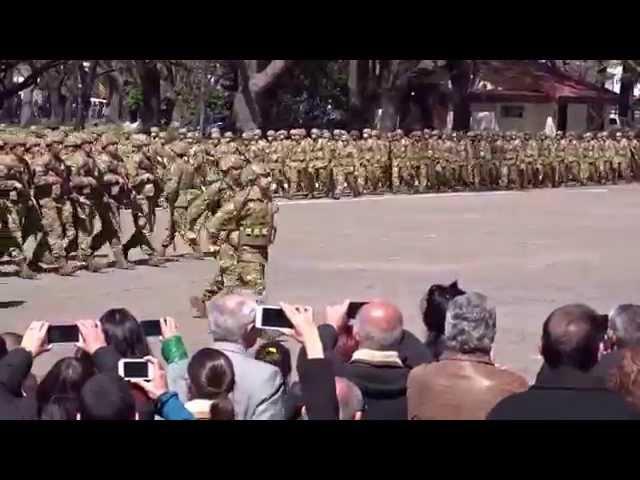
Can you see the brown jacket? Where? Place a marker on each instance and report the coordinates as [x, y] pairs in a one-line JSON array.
[[459, 387]]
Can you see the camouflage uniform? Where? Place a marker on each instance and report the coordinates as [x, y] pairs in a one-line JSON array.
[[622, 161], [411, 172], [184, 185], [572, 157], [86, 196], [319, 160], [13, 194], [51, 191], [560, 158], [529, 166], [305, 152], [344, 166], [634, 150], [243, 229]]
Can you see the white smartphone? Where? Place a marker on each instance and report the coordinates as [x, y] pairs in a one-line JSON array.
[[272, 318], [135, 369]]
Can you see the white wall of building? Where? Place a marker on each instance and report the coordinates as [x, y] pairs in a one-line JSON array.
[[490, 116]]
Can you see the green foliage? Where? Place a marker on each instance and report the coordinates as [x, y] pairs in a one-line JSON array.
[[134, 97]]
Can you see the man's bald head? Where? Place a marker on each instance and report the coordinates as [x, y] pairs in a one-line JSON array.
[[350, 400], [379, 325], [571, 337]]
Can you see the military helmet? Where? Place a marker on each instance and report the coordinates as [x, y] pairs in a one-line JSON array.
[[375, 133], [33, 142], [214, 133], [54, 137], [281, 134], [399, 132], [183, 131], [140, 140], [354, 134], [588, 136], [271, 133], [179, 148], [154, 130], [72, 141], [257, 133], [315, 131], [108, 139], [230, 161], [253, 171], [228, 135], [366, 131], [415, 134]]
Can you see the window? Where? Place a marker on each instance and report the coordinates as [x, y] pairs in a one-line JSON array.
[[512, 111]]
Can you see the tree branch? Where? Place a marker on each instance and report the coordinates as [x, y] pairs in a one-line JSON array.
[[30, 79], [262, 80]]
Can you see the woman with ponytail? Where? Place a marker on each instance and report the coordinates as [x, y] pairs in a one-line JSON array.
[[211, 382]]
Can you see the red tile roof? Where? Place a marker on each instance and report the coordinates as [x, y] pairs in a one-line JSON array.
[[534, 81]]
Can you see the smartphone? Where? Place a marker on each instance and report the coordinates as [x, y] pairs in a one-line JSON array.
[[151, 328], [135, 369], [353, 308], [273, 318], [63, 334]]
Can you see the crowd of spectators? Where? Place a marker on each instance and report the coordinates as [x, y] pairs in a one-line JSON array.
[[369, 367]]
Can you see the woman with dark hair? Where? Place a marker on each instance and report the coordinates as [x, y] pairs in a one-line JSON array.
[[57, 395], [211, 381], [625, 378], [123, 332]]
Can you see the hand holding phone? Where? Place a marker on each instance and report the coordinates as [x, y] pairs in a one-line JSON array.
[[269, 317], [151, 328], [63, 334], [34, 338], [135, 368], [158, 384]]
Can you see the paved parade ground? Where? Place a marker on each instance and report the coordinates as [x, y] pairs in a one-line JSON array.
[[528, 251]]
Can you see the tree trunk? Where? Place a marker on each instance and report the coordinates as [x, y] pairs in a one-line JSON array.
[[57, 105], [115, 98], [7, 114], [461, 83], [26, 111], [626, 92], [68, 108], [150, 83], [87, 79], [251, 84]]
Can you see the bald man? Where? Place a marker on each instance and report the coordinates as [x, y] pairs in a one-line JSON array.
[[378, 367], [571, 338]]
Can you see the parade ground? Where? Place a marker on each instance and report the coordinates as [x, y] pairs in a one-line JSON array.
[[529, 252]]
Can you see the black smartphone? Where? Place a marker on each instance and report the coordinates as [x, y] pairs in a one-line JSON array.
[[135, 369], [63, 334], [272, 318], [151, 328], [353, 308]]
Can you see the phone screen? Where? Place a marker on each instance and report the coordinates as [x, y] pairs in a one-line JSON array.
[[135, 369], [353, 308], [151, 328], [63, 334], [275, 317]]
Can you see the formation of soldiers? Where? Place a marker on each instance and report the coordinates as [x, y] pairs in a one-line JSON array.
[[59, 185], [67, 190]]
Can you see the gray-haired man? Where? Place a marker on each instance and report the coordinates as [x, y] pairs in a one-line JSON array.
[[465, 384]]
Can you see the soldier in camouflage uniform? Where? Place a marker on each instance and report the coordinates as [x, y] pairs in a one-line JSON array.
[[572, 157], [116, 193], [622, 161], [14, 194], [52, 189], [344, 165], [634, 150], [185, 183], [87, 193], [529, 160], [588, 159], [378, 175], [244, 228], [305, 147], [410, 174], [546, 164], [145, 185], [366, 152]]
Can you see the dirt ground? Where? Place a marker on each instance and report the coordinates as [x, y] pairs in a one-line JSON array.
[[529, 252]]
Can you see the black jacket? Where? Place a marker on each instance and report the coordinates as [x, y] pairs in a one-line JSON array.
[[564, 394], [384, 388], [14, 368], [319, 390]]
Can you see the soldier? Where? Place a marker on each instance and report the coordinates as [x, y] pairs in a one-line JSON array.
[[317, 161], [572, 157], [52, 190], [184, 185], [529, 161], [546, 163], [244, 228], [622, 161], [344, 166], [113, 181], [634, 150], [145, 184], [274, 162], [306, 172], [587, 158], [13, 195], [410, 173], [360, 168], [560, 158], [379, 172], [86, 195], [485, 174]]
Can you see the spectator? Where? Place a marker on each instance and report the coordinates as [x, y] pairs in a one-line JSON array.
[[58, 393], [123, 332], [211, 382], [12, 340], [278, 355], [465, 384], [376, 367], [433, 307], [624, 376], [350, 400], [107, 396], [3, 348], [14, 368], [259, 387], [624, 332], [570, 346]]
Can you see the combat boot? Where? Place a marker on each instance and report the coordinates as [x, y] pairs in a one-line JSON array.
[[121, 261], [162, 252], [198, 308], [65, 268], [25, 272], [197, 252], [92, 264], [155, 261]]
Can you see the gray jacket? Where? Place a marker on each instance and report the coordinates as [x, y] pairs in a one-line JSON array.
[[259, 389]]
